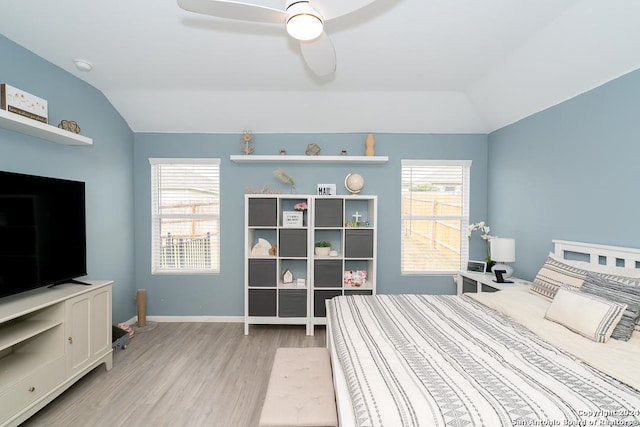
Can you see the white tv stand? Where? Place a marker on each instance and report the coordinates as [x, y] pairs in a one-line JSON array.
[[50, 338]]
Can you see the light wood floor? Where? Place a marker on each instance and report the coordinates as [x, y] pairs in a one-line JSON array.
[[179, 374]]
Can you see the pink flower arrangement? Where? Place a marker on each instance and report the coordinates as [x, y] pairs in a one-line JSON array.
[[302, 206], [356, 278]]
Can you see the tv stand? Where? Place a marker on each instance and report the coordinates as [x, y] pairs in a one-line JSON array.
[[49, 339]]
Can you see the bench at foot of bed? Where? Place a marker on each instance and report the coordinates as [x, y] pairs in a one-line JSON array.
[[300, 391]]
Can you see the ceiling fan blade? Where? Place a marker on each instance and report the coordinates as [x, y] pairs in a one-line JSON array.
[[319, 55], [330, 9], [234, 10]]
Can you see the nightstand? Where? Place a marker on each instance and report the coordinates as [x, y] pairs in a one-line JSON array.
[[468, 281]]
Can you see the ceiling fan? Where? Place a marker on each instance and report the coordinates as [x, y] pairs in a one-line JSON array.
[[304, 20]]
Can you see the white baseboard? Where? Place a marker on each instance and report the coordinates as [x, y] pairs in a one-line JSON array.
[[131, 321], [193, 319]]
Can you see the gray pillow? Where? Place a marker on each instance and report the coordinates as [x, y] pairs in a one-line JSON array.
[[618, 292]]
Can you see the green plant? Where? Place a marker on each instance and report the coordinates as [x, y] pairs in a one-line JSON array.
[[323, 244]]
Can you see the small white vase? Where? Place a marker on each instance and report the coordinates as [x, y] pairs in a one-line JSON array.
[[322, 251]]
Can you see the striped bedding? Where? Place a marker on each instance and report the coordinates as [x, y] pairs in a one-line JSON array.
[[412, 360]]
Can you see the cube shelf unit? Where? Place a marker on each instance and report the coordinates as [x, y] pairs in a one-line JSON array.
[[356, 247], [267, 299], [329, 218]]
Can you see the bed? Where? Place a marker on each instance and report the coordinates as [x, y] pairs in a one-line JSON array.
[[491, 359]]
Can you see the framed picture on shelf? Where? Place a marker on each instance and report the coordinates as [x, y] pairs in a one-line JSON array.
[[477, 266], [292, 219]]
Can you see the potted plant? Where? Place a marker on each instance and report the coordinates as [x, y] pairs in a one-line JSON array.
[[484, 231], [322, 248]]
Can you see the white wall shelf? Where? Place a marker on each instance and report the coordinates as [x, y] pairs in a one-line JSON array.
[[308, 159], [17, 123]]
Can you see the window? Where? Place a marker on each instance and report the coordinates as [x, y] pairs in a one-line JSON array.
[[435, 216], [185, 206]]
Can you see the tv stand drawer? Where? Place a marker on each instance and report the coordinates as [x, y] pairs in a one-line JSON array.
[[31, 388]]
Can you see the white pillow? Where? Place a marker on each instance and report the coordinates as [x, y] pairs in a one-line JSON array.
[[590, 316]]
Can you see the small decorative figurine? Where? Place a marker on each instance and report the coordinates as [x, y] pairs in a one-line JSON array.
[[261, 248], [247, 146], [287, 276], [70, 126], [312, 150]]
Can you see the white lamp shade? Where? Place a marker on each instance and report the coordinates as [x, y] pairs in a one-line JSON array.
[[503, 249]]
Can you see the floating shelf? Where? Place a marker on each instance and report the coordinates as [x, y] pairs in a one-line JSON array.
[[308, 159], [17, 123]]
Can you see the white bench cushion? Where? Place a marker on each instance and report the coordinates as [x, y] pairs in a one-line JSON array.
[[300, 391]]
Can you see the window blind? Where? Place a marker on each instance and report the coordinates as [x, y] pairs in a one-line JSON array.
[[185, 206], [434, 216]]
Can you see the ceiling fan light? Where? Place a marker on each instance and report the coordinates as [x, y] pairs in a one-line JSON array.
[[304, 22]]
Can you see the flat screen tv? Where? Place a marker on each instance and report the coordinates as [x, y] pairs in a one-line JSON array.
[[42, 232]]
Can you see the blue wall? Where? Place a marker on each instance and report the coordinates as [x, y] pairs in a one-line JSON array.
[[222, 295], [569, 172], [564, 173], [106, 167]]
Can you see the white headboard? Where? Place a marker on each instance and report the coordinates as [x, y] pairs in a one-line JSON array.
[[611, 256]]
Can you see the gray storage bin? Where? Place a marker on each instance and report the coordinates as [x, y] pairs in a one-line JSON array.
[[319, 298], [328, 213], [262, 272], [358, 243], [292, 303], [262, 302], [263, 212], [487, 288], [293, 243], [358, 292], [469, 285], [327, 273]]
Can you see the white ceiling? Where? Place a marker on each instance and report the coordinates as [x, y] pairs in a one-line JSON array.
[[424, 66]]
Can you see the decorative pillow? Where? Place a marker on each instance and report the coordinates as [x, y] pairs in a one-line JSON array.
[[589, 315], [554, 274], [628, 281], [618, 292], [631, 275]]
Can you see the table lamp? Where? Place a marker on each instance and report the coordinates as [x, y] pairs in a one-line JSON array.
[[503, 250]]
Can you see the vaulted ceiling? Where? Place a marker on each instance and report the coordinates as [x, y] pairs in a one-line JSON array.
[[424, 66]]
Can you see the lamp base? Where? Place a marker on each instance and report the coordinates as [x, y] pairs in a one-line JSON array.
[[505, 267]]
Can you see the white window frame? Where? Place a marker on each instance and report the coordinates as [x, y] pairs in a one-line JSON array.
[[156, 218], [464, 218]]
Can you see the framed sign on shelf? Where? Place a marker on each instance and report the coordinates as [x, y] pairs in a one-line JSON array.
[[292, 219], [326, 190]]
